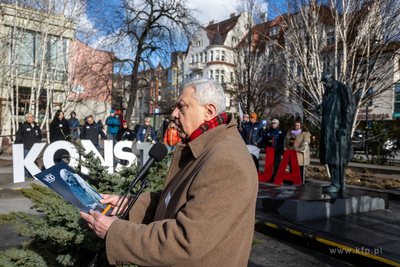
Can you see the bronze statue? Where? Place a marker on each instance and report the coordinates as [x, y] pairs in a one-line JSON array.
[[337, 111]]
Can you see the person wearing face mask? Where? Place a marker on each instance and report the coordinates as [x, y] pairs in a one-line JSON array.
[[204, 216], [299, 139], [275, 137], [146, 133], [28, 134]]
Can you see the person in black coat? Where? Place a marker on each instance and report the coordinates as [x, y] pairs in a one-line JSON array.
[[91, 130], [28, 134], [125, 134], [275, 137], [253, 131], [59, 130]]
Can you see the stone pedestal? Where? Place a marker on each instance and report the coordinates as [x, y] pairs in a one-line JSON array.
[[307, 202]]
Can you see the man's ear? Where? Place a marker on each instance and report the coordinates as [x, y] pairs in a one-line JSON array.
[[210, 112]]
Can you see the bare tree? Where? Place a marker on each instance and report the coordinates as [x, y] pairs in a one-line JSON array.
[[356, 40], [151, 28], [256, 85]]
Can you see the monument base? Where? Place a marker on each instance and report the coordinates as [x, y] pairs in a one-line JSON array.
[[307, 202]]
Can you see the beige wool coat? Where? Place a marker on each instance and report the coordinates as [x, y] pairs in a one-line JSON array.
[[204, 216], [301, 142]]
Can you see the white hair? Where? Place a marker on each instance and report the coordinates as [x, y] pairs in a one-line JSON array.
[[207, 91], [147, 119], [27, 114]]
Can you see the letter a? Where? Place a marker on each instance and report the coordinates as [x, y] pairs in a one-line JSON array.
[[281, 175]]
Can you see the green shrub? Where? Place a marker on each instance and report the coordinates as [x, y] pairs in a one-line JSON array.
[[61, 237]]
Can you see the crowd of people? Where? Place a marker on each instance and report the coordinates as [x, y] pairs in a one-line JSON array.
[[250, 129], [297, 138]]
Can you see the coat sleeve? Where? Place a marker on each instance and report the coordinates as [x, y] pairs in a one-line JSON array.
[[305, 141], [139, 135], [286, 142], [165, 136], [153, 134], [83, 132], [19, 136], [39, 136], [52, 129], [101, 132], [197, 227], [348, 104]]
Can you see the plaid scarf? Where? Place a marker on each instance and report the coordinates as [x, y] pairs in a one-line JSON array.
[[208, 125]]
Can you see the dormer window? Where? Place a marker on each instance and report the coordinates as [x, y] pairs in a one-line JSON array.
[[274, 31]]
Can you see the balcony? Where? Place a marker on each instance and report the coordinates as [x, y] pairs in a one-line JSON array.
[[195, 66]]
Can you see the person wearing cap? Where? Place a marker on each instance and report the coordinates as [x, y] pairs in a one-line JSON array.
[[91, 130], [275, 137], [146, 133], [113, 124], [253, 131], [171, 137], [73, 123]]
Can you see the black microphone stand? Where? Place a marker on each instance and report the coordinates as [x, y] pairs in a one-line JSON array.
[[143, 186]]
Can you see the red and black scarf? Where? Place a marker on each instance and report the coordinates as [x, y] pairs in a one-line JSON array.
[[208, 125]]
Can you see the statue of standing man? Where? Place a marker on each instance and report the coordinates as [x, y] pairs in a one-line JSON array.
[[337, 111]]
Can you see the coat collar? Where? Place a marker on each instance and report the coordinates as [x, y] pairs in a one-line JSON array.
[[207, 139]]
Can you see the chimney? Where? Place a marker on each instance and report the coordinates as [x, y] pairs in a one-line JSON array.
[[264, 17], [233, 15]]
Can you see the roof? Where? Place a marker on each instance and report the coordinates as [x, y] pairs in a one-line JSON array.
[[261, 32], [222, 28]]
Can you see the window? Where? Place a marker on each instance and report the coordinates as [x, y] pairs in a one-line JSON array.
[[140, 102], [192, 59], [217, 55], [191, 76], [201, 57], [270, 72], [217, 75], [222, 55], [222, 76], [397, 98], [274, 31], [232, 77], [198, 43], [211, 56], [330, 38], [244, 76], [211, 74], [187, 77], [201, 74], [28, 46], [205, 57], [197, 57], [299, 70]]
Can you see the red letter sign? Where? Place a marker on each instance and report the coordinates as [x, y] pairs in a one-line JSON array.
[[281, 175]]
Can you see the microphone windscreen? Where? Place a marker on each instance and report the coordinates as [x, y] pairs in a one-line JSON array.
[[158, 151]]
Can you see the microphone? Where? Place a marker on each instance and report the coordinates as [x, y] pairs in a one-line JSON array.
[[157, 153]]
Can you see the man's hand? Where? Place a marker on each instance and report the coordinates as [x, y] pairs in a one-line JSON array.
[[98, 222], [115, 201]]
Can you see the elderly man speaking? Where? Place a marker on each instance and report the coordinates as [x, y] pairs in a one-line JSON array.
[[204, 216]]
